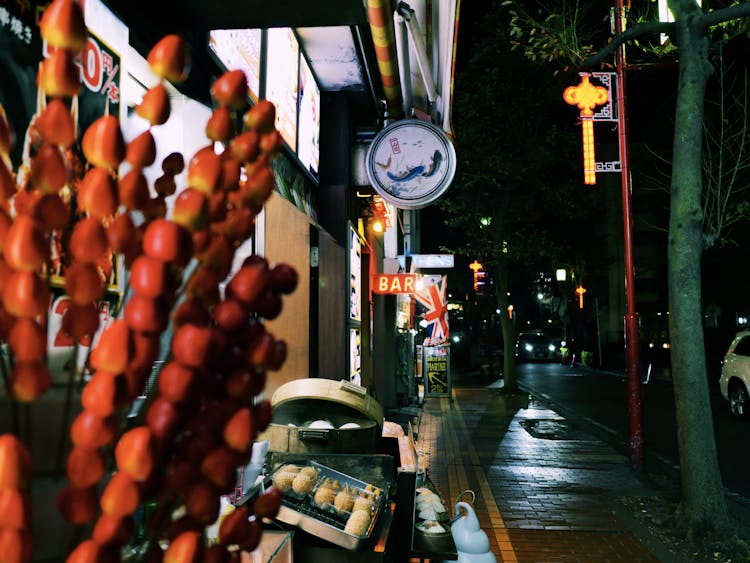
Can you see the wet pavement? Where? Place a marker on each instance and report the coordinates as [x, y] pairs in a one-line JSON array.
[[546, 489]]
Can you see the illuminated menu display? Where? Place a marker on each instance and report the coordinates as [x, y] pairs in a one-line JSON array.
[[281, 81], [309, 119], [239, 49], [277, 70]]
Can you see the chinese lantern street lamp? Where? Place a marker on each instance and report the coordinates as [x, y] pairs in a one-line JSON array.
[[479, 274], [587, 96], [580, 290]]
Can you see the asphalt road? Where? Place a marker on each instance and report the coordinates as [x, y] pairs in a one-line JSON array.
[[600, 399]]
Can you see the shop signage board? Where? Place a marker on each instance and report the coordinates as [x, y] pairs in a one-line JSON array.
[[436, 371], [392, 284], [20, 54], [411, 163], [432, 260]]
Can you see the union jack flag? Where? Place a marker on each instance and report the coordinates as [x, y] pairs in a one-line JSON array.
[[433, 299]]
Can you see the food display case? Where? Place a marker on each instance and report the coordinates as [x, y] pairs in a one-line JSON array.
[[323, 530], [324, 415], [328, 504]]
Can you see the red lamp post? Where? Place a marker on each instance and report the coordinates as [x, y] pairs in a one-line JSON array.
[[632, 339], [586, 96]]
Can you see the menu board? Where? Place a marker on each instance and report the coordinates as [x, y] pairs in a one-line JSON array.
[[437, 380], [277, 70], [281, 81], [308, 150], [239, 49]]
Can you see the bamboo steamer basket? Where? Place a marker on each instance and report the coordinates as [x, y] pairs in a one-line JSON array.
[[299, 403]]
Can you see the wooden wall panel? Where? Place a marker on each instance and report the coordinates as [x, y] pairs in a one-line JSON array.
[[287, 239], [333, 299]]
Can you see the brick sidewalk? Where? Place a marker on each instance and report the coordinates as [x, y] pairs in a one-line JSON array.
[[543, 486]]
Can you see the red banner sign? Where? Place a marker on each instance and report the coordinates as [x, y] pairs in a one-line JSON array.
[[394, 283]]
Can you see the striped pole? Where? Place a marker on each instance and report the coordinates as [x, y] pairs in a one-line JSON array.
[[380, 17]]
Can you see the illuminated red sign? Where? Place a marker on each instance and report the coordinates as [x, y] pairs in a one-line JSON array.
[[392, 284]]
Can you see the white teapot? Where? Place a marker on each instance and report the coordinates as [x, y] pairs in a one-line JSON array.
[[472, 543]]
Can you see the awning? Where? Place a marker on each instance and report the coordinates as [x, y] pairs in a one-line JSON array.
[[343, 45]]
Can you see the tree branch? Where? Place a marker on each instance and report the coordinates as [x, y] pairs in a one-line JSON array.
[[725, 14], [640, 30]]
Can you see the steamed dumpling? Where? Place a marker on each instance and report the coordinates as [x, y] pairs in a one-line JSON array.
[[321, 424], [430, 527], [433, 504], [428, 514]]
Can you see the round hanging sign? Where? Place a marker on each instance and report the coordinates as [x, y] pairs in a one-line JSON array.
[[411, 163]]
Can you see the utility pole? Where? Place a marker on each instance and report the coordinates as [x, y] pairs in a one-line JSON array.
[[632, 339]]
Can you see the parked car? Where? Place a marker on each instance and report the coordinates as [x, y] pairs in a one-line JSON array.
[[735, 375], [537, 346]]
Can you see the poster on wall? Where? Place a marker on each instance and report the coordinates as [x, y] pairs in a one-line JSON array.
[[355, 276], [355, 356], [281, 81], [21, 52], [61, 346], [100, 67], [100, 76]]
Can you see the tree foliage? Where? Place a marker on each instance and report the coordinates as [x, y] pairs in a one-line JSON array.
[[552, 32], [695, 31], [517, 197], [519, 168]]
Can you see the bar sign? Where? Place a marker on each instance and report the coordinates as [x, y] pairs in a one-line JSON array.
[[392, 284]]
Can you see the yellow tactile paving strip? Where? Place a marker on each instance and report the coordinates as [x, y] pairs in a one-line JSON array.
[[463, 469]]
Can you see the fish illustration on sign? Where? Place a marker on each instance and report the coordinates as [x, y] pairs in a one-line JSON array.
[[417, 171], [385, 165]]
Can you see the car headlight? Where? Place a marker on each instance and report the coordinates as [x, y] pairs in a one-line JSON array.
[[528, 347], [551, 347]]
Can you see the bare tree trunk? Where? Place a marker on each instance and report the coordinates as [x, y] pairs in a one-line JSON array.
[[510, 383], [703, 506]]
